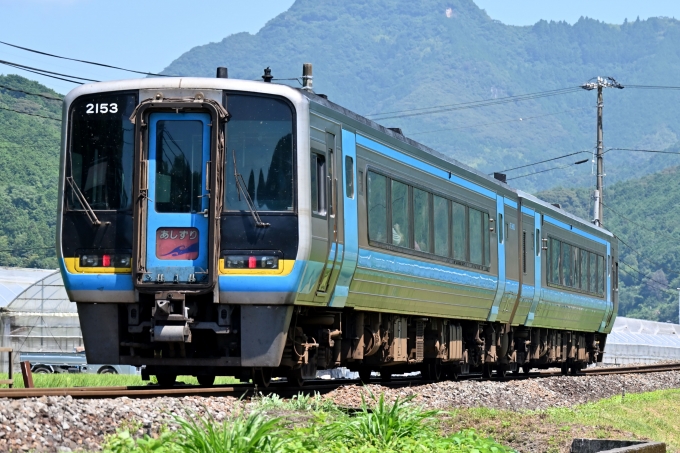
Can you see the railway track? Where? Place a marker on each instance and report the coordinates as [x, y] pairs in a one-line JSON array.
[[282, 389]]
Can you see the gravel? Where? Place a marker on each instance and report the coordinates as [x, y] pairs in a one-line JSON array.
[[67, 424]]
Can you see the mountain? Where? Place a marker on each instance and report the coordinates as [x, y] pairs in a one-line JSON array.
[[402, 55], [643, 213], [29, 152]]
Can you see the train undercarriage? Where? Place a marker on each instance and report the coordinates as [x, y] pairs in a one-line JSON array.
[[182, 334]]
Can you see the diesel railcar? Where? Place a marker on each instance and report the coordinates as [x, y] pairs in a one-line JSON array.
[[227, 227]]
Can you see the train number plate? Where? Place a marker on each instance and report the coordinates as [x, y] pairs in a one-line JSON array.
[[177, 243]]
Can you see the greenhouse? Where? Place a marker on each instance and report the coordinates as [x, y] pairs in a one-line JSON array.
[[36, 314]]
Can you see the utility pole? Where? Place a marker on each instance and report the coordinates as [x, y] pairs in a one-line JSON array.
[[600, 83]]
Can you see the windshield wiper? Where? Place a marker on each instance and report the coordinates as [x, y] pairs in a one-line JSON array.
[[241, 187], [83, 201]]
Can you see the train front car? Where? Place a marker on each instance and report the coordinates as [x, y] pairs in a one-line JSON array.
[[178, 224]]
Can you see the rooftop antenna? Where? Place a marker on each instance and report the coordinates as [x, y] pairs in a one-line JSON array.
[[307, 77]]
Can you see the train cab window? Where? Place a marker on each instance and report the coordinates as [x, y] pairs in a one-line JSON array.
[[584, 270], [459, 232], [441, 226], [377, 207], [349, 177], [400, 214], [101, 153], [421, 220], [259, 137], [476, 245], [318, 183]]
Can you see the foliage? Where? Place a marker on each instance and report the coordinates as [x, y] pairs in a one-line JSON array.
[[643, 214], [384, 56], [29, 152], [380, 427]]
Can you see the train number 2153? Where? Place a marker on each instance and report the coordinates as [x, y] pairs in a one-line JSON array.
[[102, 108]]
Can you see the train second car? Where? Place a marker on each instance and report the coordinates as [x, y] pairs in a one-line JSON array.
[[227, 227]]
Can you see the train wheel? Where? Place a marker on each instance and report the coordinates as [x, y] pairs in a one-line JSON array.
[[365, 376], [576, 368], [205, 380], [295, 379], [262, 377], [565, 369], [385, 376], [502, 372], [452, 373], [526, 368], [166, 380], [486, 371]]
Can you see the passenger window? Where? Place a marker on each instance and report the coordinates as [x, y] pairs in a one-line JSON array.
[[318, 184], [524, 252], [584, 270], [349, 177], [400, 214], [459, 232], [575, 266], [377, 207], [476, 248], [421, 220], [566, 265], [441, 226], [592, 273], [600, 275], [554, 258], [485, 240]]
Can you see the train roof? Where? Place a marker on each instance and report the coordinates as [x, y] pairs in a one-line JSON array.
[[192, 83]]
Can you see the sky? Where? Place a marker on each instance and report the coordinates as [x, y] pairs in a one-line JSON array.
[[147, 35]]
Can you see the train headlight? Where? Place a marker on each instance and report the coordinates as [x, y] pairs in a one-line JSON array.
[[251, 262], [106, 260]]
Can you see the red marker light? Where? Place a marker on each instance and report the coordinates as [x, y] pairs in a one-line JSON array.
[[252, 262], [106, 260]]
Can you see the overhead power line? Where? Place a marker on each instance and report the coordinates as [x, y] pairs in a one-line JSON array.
[[31, 114], [471, 104], [541, 162], [549, 169], [51, 98], [84, 61], [46, 73], [642, 150]]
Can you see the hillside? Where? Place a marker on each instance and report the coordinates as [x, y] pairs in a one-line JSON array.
[[29, 152], [644, 214], [384, 56]]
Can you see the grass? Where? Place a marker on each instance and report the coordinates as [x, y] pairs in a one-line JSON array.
[[96, 380], [654, 416], [379, 426]]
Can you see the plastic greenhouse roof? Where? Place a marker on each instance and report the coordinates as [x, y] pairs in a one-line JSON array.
[[640, 332], [44, 296], [15, 280]]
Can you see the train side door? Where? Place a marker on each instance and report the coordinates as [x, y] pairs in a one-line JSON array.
[[329, 275], [177, 206]]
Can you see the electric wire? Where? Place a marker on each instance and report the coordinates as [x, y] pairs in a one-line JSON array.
[[498, 122], [45, 72], [473, 104], [30, 114], [542, 161], [641, 150], [51, 98], [84, 61]]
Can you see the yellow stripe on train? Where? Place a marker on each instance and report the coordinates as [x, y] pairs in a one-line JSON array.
[[285, 268], [73, 267]]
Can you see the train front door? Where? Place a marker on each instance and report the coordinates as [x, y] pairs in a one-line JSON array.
[[177, 229]]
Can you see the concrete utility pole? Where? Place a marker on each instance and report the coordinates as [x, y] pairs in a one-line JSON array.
[[602, 82]]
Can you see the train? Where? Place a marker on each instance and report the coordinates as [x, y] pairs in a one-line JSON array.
[[224, 227]]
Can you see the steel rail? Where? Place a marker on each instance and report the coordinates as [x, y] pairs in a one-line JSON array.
[[283, 389]]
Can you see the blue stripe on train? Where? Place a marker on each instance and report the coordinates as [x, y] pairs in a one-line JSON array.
[[264, 283]]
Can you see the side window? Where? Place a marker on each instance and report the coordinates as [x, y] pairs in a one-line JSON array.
[[592, 272], [554, 258], [421, 220], [566, 265], [441, 226], [524, 252], [349, 177], [584, 270], [575, 267], [476, 246], [318, 183], [400, 215], [459, 232], [485, 239], [377, 207], [600, 275]]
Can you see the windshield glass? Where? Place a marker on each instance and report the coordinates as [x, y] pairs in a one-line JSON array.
[[102, 151], [260, 136]]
